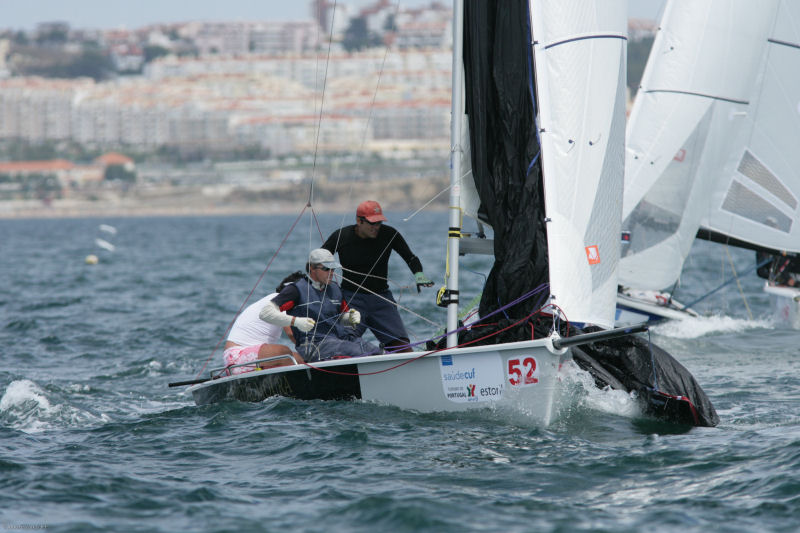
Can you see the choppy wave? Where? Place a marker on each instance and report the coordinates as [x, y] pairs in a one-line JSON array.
[[95, 440]]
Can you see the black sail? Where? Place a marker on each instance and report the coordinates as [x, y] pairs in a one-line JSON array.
[[500, 106]]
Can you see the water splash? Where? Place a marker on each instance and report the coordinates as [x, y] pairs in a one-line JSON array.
[[26, 407], [708, 325], [579, 391]]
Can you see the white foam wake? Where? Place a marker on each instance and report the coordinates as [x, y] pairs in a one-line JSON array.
[[707, 325]]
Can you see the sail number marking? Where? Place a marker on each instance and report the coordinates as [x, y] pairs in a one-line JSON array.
[[522, 372]]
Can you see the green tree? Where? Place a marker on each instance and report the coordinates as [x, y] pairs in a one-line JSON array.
[[358, 37], [152, 52], [119, 173], [21, 38], [91, 63]]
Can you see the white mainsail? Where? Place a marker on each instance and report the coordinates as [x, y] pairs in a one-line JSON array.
[[580, 64], [687, 127]]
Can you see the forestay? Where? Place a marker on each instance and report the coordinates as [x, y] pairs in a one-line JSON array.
[[697, 96]]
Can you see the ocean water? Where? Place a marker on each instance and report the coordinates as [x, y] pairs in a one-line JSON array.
[[93, 439]]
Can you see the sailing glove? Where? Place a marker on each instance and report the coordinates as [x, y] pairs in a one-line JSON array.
[[354, 317], [304, 324], [422, 281]]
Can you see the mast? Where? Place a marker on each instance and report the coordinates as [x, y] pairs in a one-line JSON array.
[[454, 230]]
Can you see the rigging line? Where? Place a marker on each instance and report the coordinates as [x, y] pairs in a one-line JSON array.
[[672, 291], [375, 276], [387, 247], [532, 88], [426, 204], [738, 283], [423, 354], [520, 299], [539, 305], [652, 360], [437, 195], [321, 106], [369, 117], [266, 269], [429, 321], [319, 229], [759, 265]]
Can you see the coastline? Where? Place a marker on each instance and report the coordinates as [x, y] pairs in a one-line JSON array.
[[394, 195]]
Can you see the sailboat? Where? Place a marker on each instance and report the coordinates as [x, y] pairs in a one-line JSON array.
[[711, 146], [541, 85]]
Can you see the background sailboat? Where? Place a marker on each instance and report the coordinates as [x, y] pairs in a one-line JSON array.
[[709, 143]]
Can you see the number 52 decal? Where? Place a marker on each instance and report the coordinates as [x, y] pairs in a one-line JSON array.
[[522, 373]]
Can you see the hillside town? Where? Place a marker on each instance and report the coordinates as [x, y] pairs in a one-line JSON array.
[[213, 109]]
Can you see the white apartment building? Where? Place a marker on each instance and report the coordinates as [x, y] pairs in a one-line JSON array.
[[265, 100], [412, 120], [34, 109], [223, 38], [285, 37]]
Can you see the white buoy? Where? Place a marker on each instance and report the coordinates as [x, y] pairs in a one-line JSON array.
[[91, 259]]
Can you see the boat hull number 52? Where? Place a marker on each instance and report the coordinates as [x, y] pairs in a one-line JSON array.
[[522, 371]]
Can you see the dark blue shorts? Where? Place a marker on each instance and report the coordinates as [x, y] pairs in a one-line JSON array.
[[379, 315]]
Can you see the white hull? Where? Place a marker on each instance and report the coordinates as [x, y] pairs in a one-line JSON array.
[[521, 375], [637, 306], [785, 303]]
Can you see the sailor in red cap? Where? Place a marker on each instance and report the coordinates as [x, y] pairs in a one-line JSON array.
[[364, 249]]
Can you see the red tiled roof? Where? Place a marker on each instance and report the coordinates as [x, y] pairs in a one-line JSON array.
[[113, 158], [36, 166]]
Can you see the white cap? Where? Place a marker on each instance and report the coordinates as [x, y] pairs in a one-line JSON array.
[[323, 257]]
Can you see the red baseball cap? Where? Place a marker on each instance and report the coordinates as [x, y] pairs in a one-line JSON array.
[[371, 210]]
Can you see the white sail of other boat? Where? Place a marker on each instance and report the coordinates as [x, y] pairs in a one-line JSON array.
[[697, 96], [756, 198]]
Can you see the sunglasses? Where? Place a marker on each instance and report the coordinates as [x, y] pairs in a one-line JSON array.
[[323, 268], [371, 223]]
